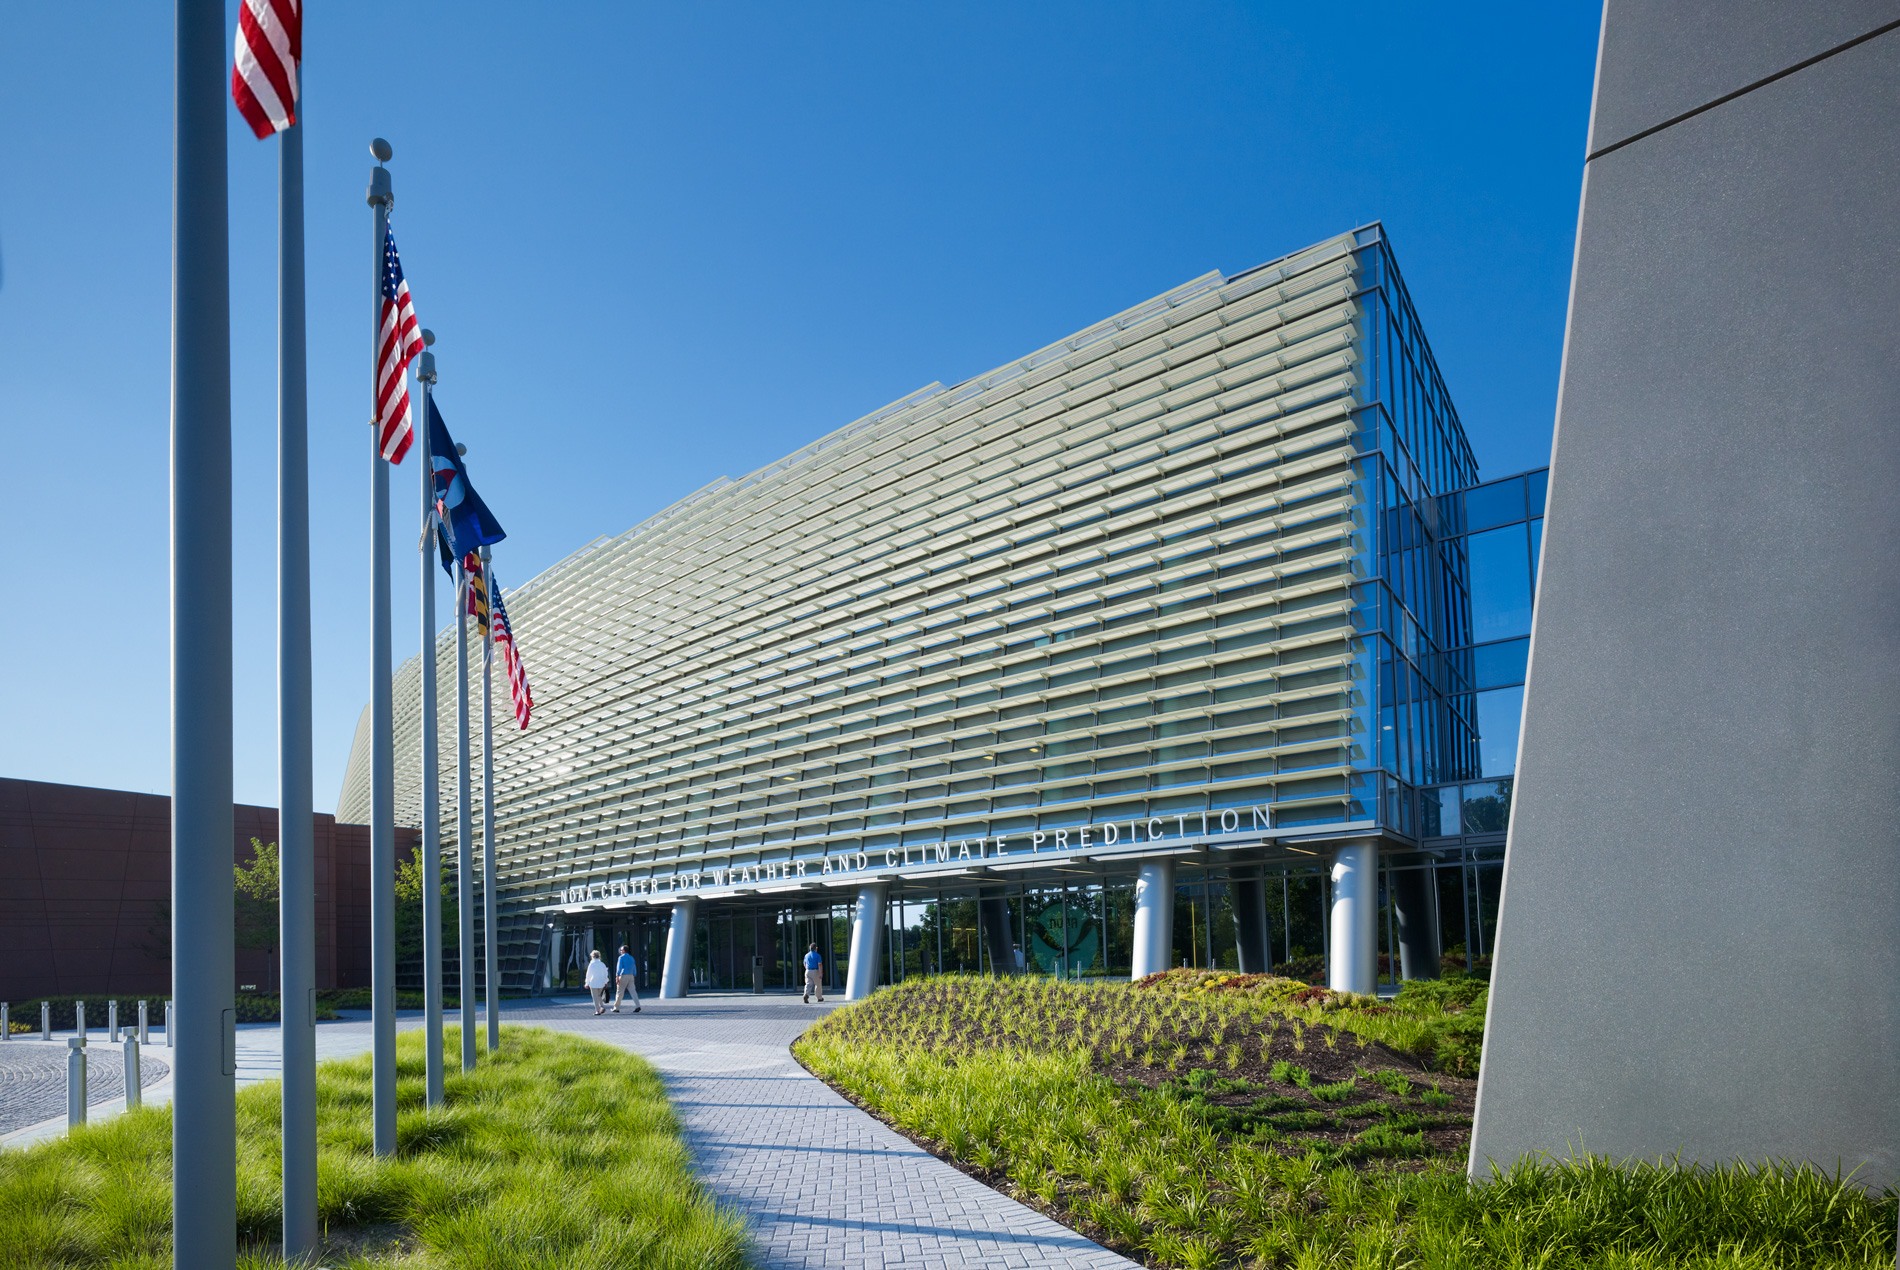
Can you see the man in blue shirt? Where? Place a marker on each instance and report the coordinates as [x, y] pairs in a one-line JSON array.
[[814, 974], [623, 979]]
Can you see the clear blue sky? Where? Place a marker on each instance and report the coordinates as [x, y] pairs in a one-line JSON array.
[[662, 244]]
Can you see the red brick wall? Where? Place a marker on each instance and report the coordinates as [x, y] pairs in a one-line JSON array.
[[85, 889]]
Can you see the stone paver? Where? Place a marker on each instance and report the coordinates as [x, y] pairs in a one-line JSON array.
[[33, 1077], [821, 1183]]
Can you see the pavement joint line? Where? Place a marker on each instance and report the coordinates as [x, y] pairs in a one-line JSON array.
[[819, 1182]]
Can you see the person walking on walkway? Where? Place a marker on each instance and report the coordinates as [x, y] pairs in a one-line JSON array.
[[814, 974], [597, 981], [624, 986]]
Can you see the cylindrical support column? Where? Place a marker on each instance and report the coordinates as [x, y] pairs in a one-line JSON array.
[[112, 1020], [145, 1024], [76, 1085], [998, 938], [679, 949], [134, 1088], [431, 845], [382, 720], [1154, 918], [1352, 963], [204, 1089], [491, 971], [867, 936], [296, 832], [1416, 908], [1253, 936]]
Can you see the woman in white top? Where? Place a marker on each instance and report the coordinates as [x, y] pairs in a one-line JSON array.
[[597, 980]]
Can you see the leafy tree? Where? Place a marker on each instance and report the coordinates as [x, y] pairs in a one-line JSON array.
[[256, 898], [409, 926]]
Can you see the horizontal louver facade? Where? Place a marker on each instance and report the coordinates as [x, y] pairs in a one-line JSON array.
[[1121, 582]]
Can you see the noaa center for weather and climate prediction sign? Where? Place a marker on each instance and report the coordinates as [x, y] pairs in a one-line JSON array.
[[1154, 645]]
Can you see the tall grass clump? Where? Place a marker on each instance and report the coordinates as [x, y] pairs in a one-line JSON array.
[[1343, 1154], [555, 1152]]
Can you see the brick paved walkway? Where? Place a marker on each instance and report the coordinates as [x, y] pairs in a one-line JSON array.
[[821, 1183], [33, 1077]]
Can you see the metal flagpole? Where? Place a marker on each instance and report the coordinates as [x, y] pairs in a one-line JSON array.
[[204, 1091], [296, 891], [431, 807], [464, 830], [382, 768], [491, 977]]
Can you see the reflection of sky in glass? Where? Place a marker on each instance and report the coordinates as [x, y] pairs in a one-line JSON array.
[[1500, 583], [1499, 714], [1500, 665], [1498, 504]]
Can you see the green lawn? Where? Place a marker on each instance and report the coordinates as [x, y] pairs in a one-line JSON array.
[[556, 1152], [1204, 1120]]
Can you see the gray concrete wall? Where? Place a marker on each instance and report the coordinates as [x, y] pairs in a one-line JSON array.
[[1699, 942]]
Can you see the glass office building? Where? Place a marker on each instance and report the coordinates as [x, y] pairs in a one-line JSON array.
[[1169, 642]]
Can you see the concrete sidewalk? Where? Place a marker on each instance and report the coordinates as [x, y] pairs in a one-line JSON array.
[[820, 1183], [260, 1057]]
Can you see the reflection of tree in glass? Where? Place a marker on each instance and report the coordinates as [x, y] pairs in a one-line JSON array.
[[1046, 938], [1489, 814]]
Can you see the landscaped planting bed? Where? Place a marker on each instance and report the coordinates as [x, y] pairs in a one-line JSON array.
[[556, 1152], [1198, 1119]]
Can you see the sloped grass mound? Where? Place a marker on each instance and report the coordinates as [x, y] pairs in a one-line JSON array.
[[1193, 1162], [555, 1152]]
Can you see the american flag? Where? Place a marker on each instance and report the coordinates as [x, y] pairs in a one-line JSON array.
[[264, 67], [511, 661], [400, 341], [477, 587]]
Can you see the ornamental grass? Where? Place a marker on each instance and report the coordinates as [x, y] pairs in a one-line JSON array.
[[555, 1152], [1200, 1120]]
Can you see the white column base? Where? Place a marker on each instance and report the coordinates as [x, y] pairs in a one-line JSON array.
[[867, 937], [1154, 918], [679, 949], [1353, 964]]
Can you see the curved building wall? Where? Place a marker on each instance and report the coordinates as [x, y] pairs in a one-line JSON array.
[[1131, 589]]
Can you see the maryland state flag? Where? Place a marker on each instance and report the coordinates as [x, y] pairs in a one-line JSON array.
[[477, 586]]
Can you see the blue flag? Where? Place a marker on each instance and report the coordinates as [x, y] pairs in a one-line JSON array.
[[464, 522]]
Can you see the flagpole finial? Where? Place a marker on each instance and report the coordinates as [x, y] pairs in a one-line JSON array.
[[461, 451], [383, 151], [428, 337]]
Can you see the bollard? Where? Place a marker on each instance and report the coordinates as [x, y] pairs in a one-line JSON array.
[[76, 1082], [144, 1036], [168, 1025], [46, 1020], [79, 1018], [112, 1019], [133, 1089], [6, 1024]]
